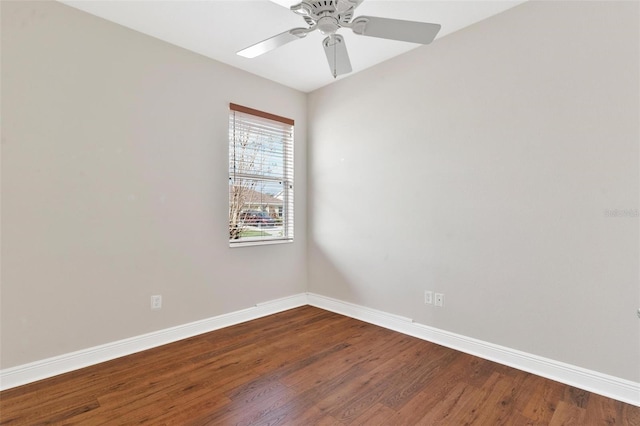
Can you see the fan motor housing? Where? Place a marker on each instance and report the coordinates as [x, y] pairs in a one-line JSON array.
[[328, 25], [340, 10]]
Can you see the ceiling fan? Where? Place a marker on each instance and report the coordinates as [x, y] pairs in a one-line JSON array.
[[328, 16]]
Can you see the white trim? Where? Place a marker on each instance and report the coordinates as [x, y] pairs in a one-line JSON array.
[[266, 242], [27, 373], [592, 381]]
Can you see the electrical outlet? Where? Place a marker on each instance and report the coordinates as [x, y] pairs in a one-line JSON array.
[[428, 297], [156, 301], [439, 299]]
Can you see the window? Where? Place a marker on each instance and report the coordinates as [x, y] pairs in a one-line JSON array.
[[260, 176]]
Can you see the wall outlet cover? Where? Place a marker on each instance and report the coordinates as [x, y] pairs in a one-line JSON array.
[[156, 302], [428, 297]]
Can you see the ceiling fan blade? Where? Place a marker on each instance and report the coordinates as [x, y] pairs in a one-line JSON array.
[[272, 43], [395, 29], [336, 51]]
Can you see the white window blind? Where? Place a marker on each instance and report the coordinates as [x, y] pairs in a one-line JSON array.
[[260, 176]]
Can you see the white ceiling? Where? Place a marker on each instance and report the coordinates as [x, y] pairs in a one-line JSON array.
[[218, 29]]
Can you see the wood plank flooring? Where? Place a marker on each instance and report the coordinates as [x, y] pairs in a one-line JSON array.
[[306, 366]]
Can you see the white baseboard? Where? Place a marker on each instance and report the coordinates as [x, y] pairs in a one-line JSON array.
[[592, 381], [27, 373]]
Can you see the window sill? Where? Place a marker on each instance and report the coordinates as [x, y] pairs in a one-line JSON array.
[[248, 243]]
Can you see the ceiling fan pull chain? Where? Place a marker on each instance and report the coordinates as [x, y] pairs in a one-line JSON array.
[[335, 59]]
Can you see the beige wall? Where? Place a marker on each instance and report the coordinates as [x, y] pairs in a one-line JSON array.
[[483, 166], [114, 185]]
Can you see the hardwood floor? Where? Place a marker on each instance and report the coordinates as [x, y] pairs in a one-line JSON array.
[[306, 366]]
